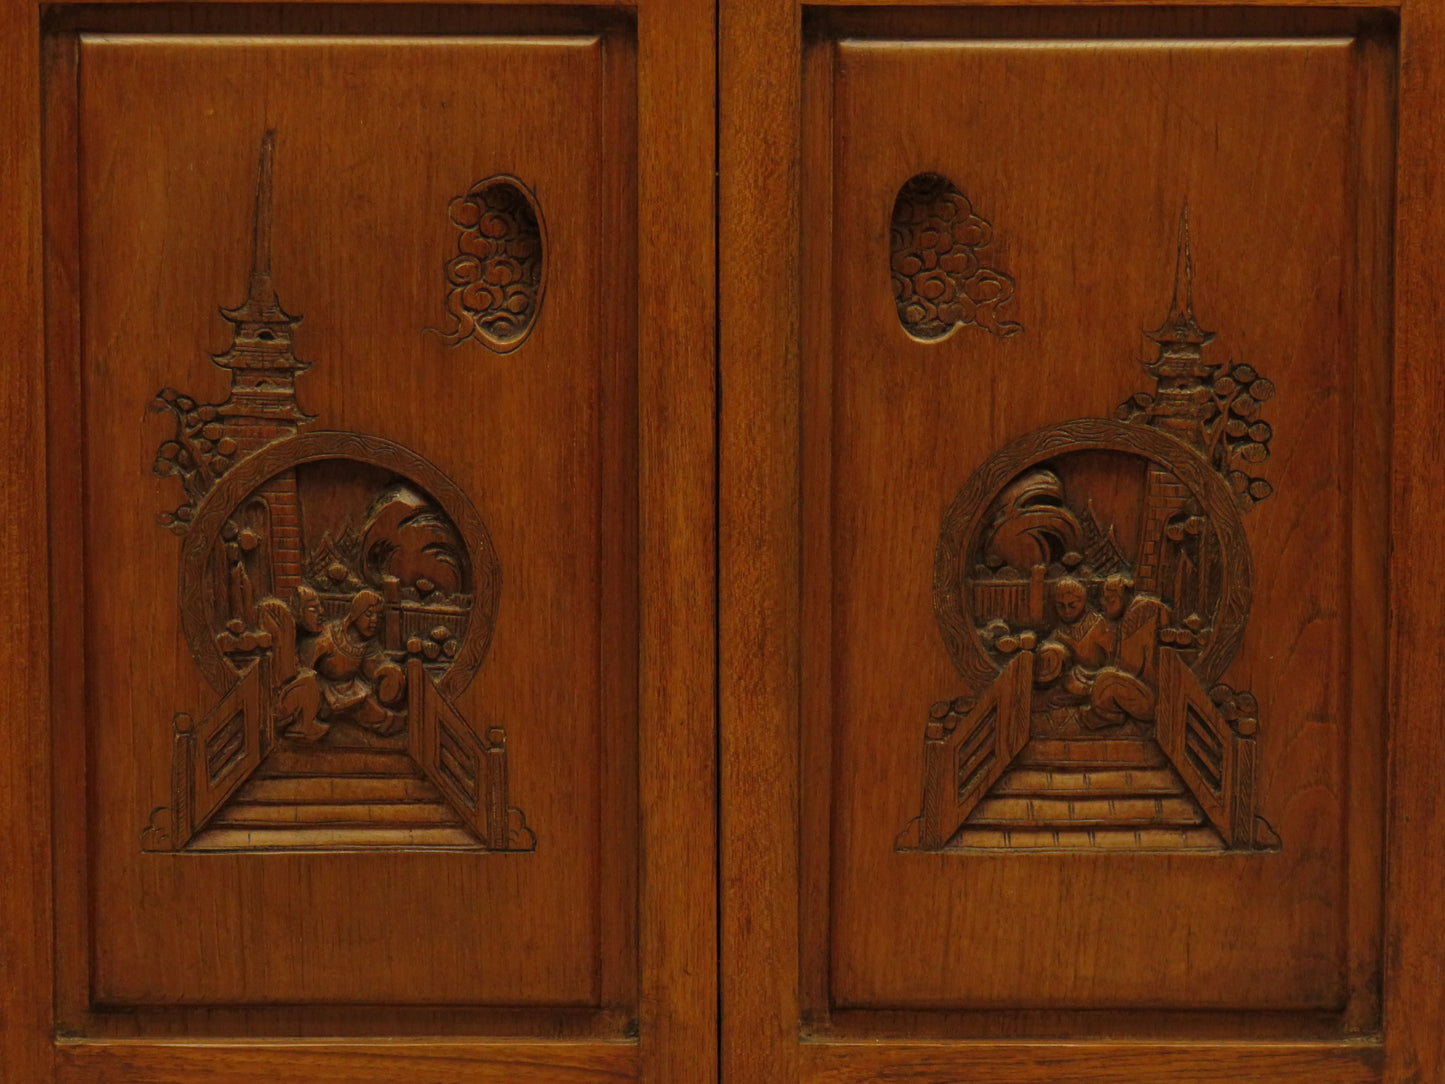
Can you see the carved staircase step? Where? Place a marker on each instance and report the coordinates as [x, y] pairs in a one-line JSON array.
[[1103, 752], [293, 760], [317, 813], [1078, 839], [337, 788], [1093, 782], [1104, 812], [331, 838]]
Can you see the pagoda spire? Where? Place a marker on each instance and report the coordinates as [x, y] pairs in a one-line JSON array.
[[260, 359], [1180, 326], [261, 235], [1182, 375], [260, 305]]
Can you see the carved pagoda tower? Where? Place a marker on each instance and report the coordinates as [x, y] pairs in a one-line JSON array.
[[1180, 370], [262, 405], [1183, 400]]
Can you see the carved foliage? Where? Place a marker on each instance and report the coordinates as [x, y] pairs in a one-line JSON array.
[[497, 279], [199, 453], [1237, 439], [940, 279]]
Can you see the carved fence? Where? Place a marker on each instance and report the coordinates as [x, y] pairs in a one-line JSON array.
[[469, 770], [215, 756], [965, 752], [1214, 759]]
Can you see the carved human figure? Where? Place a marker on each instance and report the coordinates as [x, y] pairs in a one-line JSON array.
[[286, 625], [1124, 689], [1139, 618], [1105, 660], [345, 674], [1080, 637], [309, 612]]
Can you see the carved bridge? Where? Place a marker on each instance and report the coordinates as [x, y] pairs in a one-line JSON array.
[[238, 784], [986, 783]]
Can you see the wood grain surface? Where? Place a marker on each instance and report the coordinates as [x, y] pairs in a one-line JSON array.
[[374, 1063], [621, 957], [1415, 935], [678, 400], [782, 790], [26, 925], [1086, 170], [357, 252], [858, 530], [1118, 1063], [758, 561]]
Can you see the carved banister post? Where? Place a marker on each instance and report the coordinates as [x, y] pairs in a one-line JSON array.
[[1038, 595], [268, 697], [1242, 806], [935, 775], [1015, 708], [498, 825], [183, 781], [391, 595]]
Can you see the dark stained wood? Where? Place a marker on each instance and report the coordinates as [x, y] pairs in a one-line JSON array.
[[431, 1063], [1378, 93], [26, 1007], [1113, 1063]]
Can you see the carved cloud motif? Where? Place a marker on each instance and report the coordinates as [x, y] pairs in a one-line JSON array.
[[940, 281], [496, 281]]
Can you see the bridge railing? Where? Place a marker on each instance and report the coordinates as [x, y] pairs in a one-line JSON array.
[[1216, 760], [212, 758], [968, 746], [470, 771]]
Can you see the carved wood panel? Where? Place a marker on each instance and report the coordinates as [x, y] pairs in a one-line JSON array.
[[1110, 555], [346, 584], [1088, 603], [362, 703]]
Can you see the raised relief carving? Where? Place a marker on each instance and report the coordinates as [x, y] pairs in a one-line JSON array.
[[338, 592], [1092, 585], [497, 279], [940, 280]]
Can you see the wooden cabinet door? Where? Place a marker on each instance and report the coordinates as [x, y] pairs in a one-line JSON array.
[[360, 578], [1077, 533]]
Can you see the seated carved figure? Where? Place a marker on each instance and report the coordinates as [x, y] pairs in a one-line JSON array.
[[1108, 659], [1080, 638], [1124, 689], [286, 626], [345, 674]]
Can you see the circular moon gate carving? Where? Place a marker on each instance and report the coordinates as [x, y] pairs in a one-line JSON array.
[[976, 507], [476, 568]]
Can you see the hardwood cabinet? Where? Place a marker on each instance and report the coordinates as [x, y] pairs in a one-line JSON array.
[[739, 542]]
